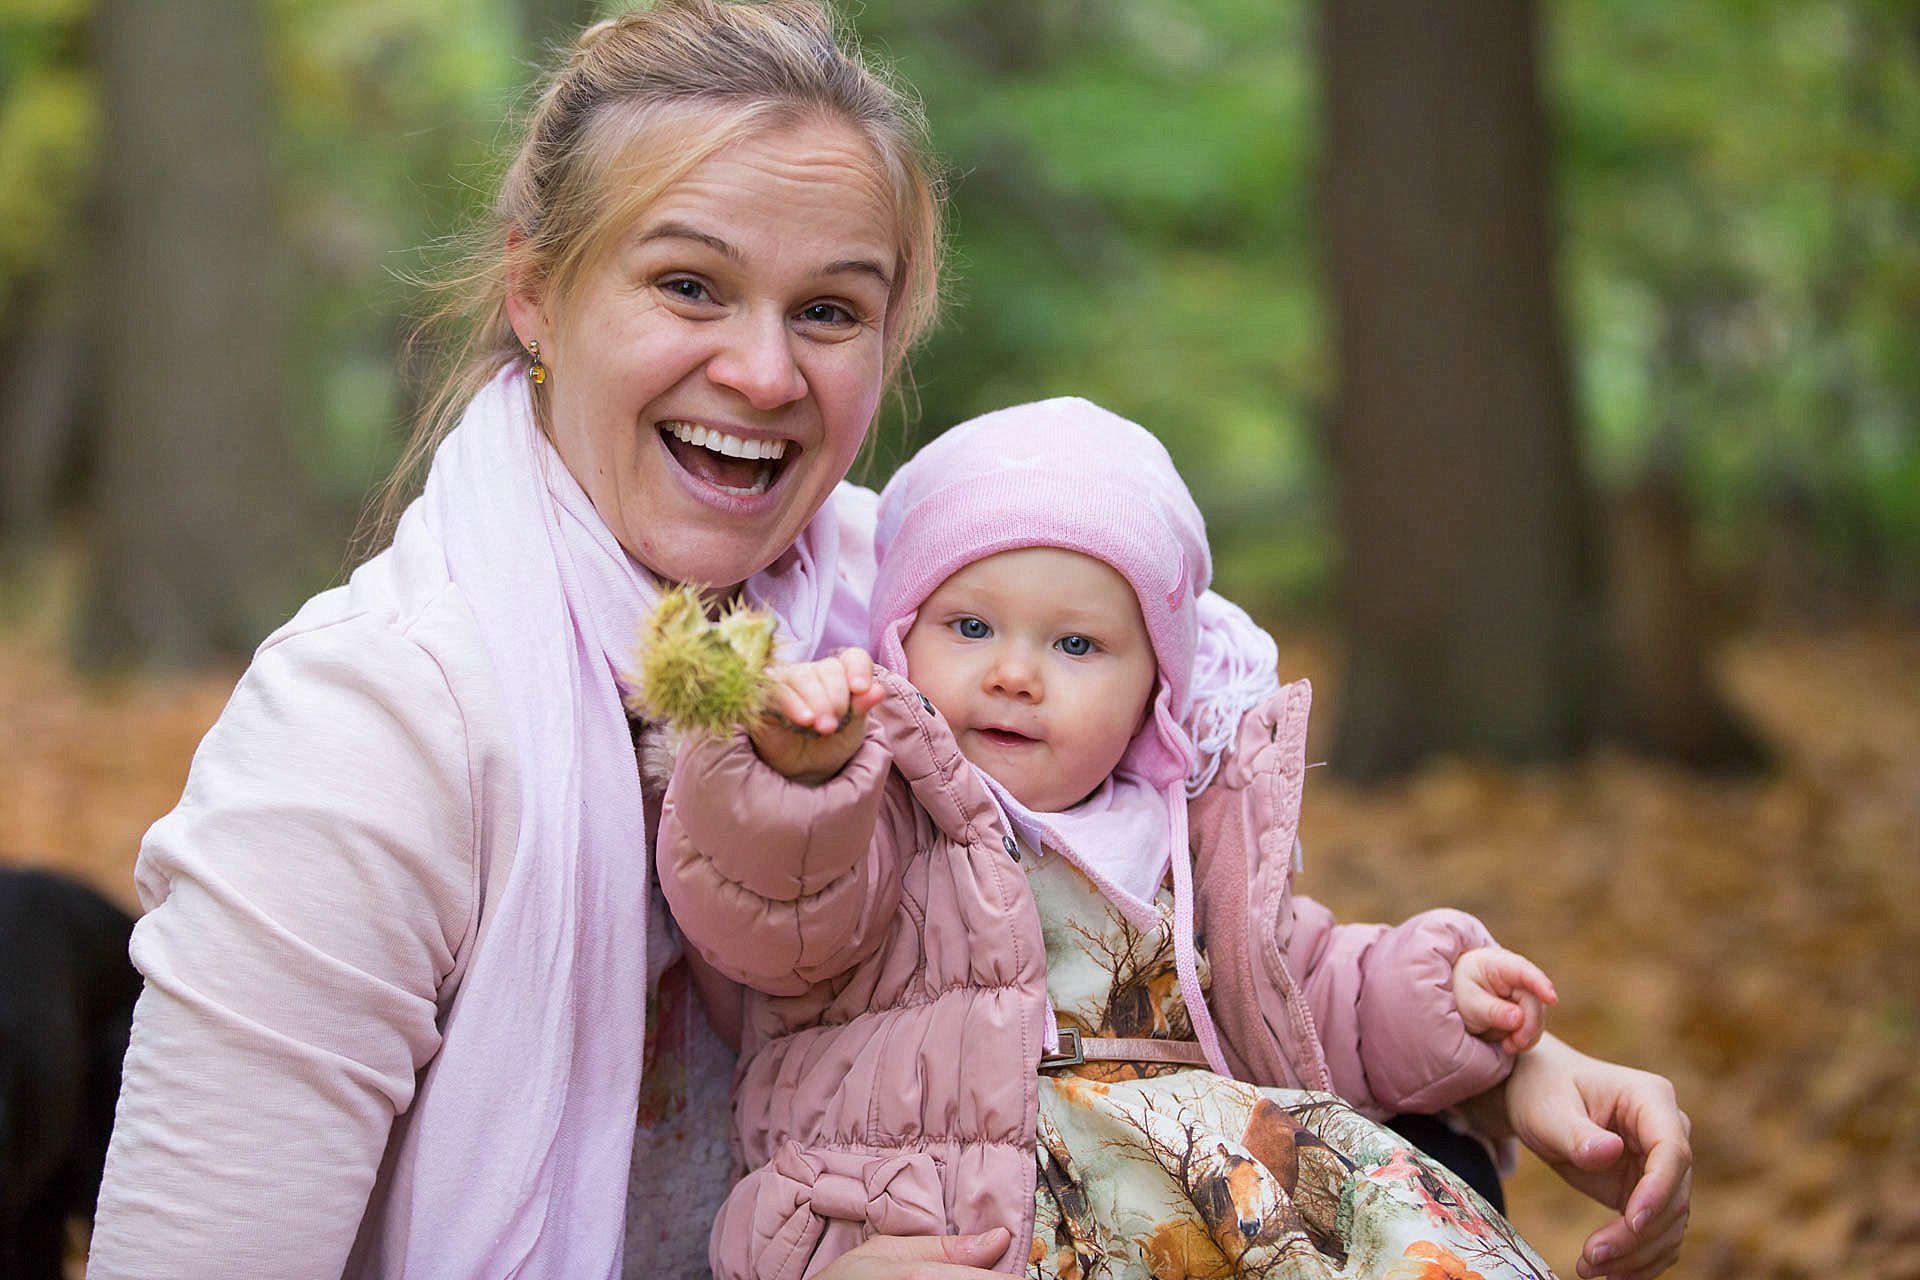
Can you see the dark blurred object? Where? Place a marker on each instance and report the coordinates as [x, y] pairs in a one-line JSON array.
[[1466, 588], [1472, 598], [66, 1007], [196, 496], [1465, 1155], [1660, 627]]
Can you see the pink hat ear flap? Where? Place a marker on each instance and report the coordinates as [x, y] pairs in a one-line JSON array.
[[1178, 591], [891, 651]]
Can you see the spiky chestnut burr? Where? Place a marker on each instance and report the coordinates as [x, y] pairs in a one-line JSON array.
[[701, 674]]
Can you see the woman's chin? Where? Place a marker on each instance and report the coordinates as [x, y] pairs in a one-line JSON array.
[[700, 555]]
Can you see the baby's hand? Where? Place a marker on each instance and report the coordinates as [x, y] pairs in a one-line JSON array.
[[1500, 995], [816, 715]]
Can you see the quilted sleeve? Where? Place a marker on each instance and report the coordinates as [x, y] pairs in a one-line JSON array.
[[1382, 997], [781, 885]]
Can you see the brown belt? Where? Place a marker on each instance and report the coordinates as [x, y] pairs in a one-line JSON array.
[[1076, 1049]]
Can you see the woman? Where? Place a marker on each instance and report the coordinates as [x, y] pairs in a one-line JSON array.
[[399, 949]]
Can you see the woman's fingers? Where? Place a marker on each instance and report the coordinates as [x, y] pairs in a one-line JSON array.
[[1619, 1255], [1653, 1122], [1645, 1239], [928, 1257], [1663, 1197]]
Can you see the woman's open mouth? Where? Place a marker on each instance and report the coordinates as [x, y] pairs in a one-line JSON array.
[[736, 465]]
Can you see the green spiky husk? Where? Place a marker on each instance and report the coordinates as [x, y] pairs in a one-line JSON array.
[[701, 675]]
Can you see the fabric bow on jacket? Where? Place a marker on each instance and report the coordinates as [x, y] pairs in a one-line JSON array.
[[816, 1195]]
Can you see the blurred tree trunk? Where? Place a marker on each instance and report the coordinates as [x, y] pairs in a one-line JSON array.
[[1658, 621], [1472, 611], [196, 487], [1466, 597], [46, 368]]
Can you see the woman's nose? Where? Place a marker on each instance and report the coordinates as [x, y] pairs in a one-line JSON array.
[[756, 360]]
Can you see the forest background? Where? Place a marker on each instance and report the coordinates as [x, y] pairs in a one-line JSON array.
[[1545, 372]]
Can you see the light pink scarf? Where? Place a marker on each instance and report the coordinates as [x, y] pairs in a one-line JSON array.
[[525, 1121]]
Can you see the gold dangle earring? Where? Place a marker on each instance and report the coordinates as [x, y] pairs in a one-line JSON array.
[[537, 373]]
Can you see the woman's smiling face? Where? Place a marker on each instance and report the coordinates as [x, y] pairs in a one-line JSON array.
[[712, 378]]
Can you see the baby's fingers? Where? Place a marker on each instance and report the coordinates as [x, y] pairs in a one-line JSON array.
[[789, 703], [1509, 973], [1480, 1009], [865, 693], [1485, 1012], [811, 695], [1533, 1021]]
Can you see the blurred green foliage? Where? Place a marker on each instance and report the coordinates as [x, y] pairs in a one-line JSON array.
[[49, 129], [1741, 192], [1134, 208]]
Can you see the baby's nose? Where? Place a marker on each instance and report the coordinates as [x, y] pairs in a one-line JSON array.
[[1016, 677]]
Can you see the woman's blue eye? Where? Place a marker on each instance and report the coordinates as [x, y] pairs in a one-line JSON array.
[[691, 290], [1075, 646], [972, 628]]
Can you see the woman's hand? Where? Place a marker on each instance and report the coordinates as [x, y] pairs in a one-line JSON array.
[[920, 1258], [1618, 1135], [816, 715]]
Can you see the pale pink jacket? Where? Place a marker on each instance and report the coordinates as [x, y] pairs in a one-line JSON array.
[[338, 857], [898, 979]]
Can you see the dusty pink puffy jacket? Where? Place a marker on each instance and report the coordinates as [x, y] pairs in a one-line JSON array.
[[898, 979]]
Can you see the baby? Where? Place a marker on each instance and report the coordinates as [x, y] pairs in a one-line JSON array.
[[1020, 936]]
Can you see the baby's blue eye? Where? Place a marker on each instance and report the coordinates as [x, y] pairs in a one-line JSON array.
[[1074, 646], [972, 628]]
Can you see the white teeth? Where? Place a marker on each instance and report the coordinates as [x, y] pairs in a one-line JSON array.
[[731, 446]]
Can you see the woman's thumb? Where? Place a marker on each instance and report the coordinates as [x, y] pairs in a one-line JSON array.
[[1593, 1148], [1562, 1128]]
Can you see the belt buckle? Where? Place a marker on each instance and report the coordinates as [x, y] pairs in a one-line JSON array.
[[1070, 1055]]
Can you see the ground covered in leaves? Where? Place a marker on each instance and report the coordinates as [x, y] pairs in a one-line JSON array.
[[1758, 939]]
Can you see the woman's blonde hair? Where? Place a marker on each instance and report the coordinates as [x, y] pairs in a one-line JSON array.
[[637, 102]]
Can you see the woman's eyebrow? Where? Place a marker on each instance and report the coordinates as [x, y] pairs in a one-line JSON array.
[[683, 231], [864, 266]]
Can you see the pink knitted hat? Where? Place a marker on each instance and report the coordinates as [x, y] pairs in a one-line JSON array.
[[1058, 473], [1067, 473]]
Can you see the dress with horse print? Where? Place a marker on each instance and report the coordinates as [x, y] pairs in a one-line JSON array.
[[1159, 1170]]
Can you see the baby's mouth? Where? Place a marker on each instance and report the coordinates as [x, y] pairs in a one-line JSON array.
[[1006, 737], [733, 464]]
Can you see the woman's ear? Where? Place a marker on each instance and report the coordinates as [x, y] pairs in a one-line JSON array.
[[524, 311]]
